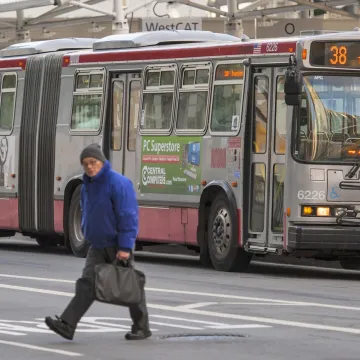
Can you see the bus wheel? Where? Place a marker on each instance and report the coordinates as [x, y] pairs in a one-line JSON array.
[[222, 238], [76, 238], [204, 255], [350, 264]]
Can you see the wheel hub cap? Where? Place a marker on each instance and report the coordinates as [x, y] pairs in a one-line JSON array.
[[222, 231], [77, 227]]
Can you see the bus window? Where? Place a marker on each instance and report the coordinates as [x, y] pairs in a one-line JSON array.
[[258, 181], [117, 115], [158, 97], [261, 104], [227, 96], [87, 101], [357, 117], [278, 198], [326, 121], [133, 113], [280, 117], [193, 99], [7, 101]]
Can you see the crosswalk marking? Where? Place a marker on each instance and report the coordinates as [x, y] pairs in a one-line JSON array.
[[176, 325], [190, 320], [213, 325], [5, 332], [244, 326], [92, 324]]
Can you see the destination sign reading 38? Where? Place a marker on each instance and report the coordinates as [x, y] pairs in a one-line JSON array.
[[338, 54]]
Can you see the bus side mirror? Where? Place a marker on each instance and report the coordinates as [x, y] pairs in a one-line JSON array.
[[293, 87]]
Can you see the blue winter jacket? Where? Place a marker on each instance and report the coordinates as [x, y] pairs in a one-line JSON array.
[[109, 210]]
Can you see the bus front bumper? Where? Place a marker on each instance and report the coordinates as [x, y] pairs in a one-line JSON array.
[[323, 238]]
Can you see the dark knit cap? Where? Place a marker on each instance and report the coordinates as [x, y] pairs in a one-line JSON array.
[[93, 151]]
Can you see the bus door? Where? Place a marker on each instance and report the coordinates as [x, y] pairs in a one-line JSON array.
[[267, 157], [124, 116]]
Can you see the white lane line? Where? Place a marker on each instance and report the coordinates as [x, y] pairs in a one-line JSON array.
[[208, 313], [257, 319], [176, 325], [262, 300], [205, 294], [212, 325], [37, 278], [40, 348], [34, 290], [199, 305], [95, 321], [259, 303], [244, 326], [5, 332], [196, 305], [189, 320], [151, 322]]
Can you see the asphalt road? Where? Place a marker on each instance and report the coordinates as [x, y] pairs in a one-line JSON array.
[[270, 312]]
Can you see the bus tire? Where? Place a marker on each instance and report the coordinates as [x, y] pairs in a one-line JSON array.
[[77, 242], [205, 259], [224, 251]]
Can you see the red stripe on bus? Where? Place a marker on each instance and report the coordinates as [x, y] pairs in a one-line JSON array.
[[162, 225], [238, 49], [168, 225], [9, 218], [12, 63], [172, 225], [58, 216]]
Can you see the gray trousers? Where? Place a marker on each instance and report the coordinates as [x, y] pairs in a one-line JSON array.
[[85, 293]]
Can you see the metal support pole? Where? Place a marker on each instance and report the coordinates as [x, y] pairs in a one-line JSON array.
[[233, 26], [88, 7], [59, 10], [21, 34], [120, 24]]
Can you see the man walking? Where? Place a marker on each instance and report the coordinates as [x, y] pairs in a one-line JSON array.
[[110, 224]]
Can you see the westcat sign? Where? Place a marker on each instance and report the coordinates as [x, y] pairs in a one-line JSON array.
[[156, 24]]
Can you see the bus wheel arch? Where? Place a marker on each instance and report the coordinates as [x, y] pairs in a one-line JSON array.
[[72, 216], [218, 202]]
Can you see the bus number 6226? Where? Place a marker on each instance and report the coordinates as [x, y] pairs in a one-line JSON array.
[[311, 195]]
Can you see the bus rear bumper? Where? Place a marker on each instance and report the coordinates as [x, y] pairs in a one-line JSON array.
[[323, 237]]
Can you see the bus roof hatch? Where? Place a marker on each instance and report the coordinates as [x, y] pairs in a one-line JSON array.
[[38, 47], [163, 37]]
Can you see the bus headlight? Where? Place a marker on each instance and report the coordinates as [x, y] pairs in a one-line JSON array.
[[320, 211], [323, 211]]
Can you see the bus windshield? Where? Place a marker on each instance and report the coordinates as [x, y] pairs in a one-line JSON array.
[[328, 120]]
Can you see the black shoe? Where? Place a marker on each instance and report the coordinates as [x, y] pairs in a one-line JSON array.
[[138, 334], [60, 327]]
